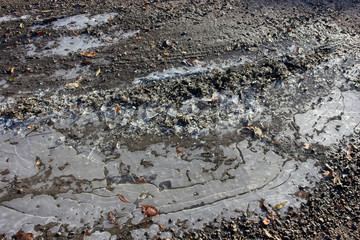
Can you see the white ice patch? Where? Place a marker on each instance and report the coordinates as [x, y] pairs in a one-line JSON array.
[[80, 21], [11, 18], [67, 45]]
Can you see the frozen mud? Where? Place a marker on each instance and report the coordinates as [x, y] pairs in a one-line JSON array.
[[74, 175], [198, 133]]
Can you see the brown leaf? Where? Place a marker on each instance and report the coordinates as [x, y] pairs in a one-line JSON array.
[[75, 33], [166, 53], [20, 235], [149, 210], [328, 174], [112, 219], [337, 179], [108, 40], [266, 221], [122, 198], [179, 149], [88, 54], [301, 194], [268, 234], [5, 172], [348, 154]]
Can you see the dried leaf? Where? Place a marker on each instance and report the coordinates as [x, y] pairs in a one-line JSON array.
[[266, 221], [88, 54], [112, 218], [21, 25], [258, 132], [122, 198], [349, 151], [268, 234], [306, 146], [328, 174], [20, 235], [50, 160], [149, 210], [166, 53], [108, 40], [143, 180], [279, 206], [97, 72], [75, 33], [179, 149], [72, 85], [32, 126], [11, 70], [301, 194], [5, 172], [337, 179]]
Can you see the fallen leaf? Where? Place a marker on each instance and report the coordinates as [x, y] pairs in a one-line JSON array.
[[266, 221], [279, 206], [21, 25], [5, 172], [337, 179], [112, 219], [75, 33], [31, 126], [108, 40], [117, 109], [161, 226], [301, 194], [88, 54], [97, 72], [179, 149], [11, 70], [20, 235], [142, 180], [268, 234], [149, 210], [166, 53], [122, 198], [41, 33], [72, 85], [349, 151], [328, 174], [258, 132], [50, 160]]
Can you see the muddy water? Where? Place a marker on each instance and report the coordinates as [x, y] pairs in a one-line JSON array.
[[245, 145]]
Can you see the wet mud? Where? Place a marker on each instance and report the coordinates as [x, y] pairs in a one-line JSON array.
[[226, 119]]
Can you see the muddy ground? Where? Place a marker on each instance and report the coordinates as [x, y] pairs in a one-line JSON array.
[[282, 38]]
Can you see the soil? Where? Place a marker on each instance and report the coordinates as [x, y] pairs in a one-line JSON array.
[[173, 34]]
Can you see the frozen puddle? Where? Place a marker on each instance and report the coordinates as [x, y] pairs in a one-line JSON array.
[[66, 45], [197, 185], [63, 46]]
